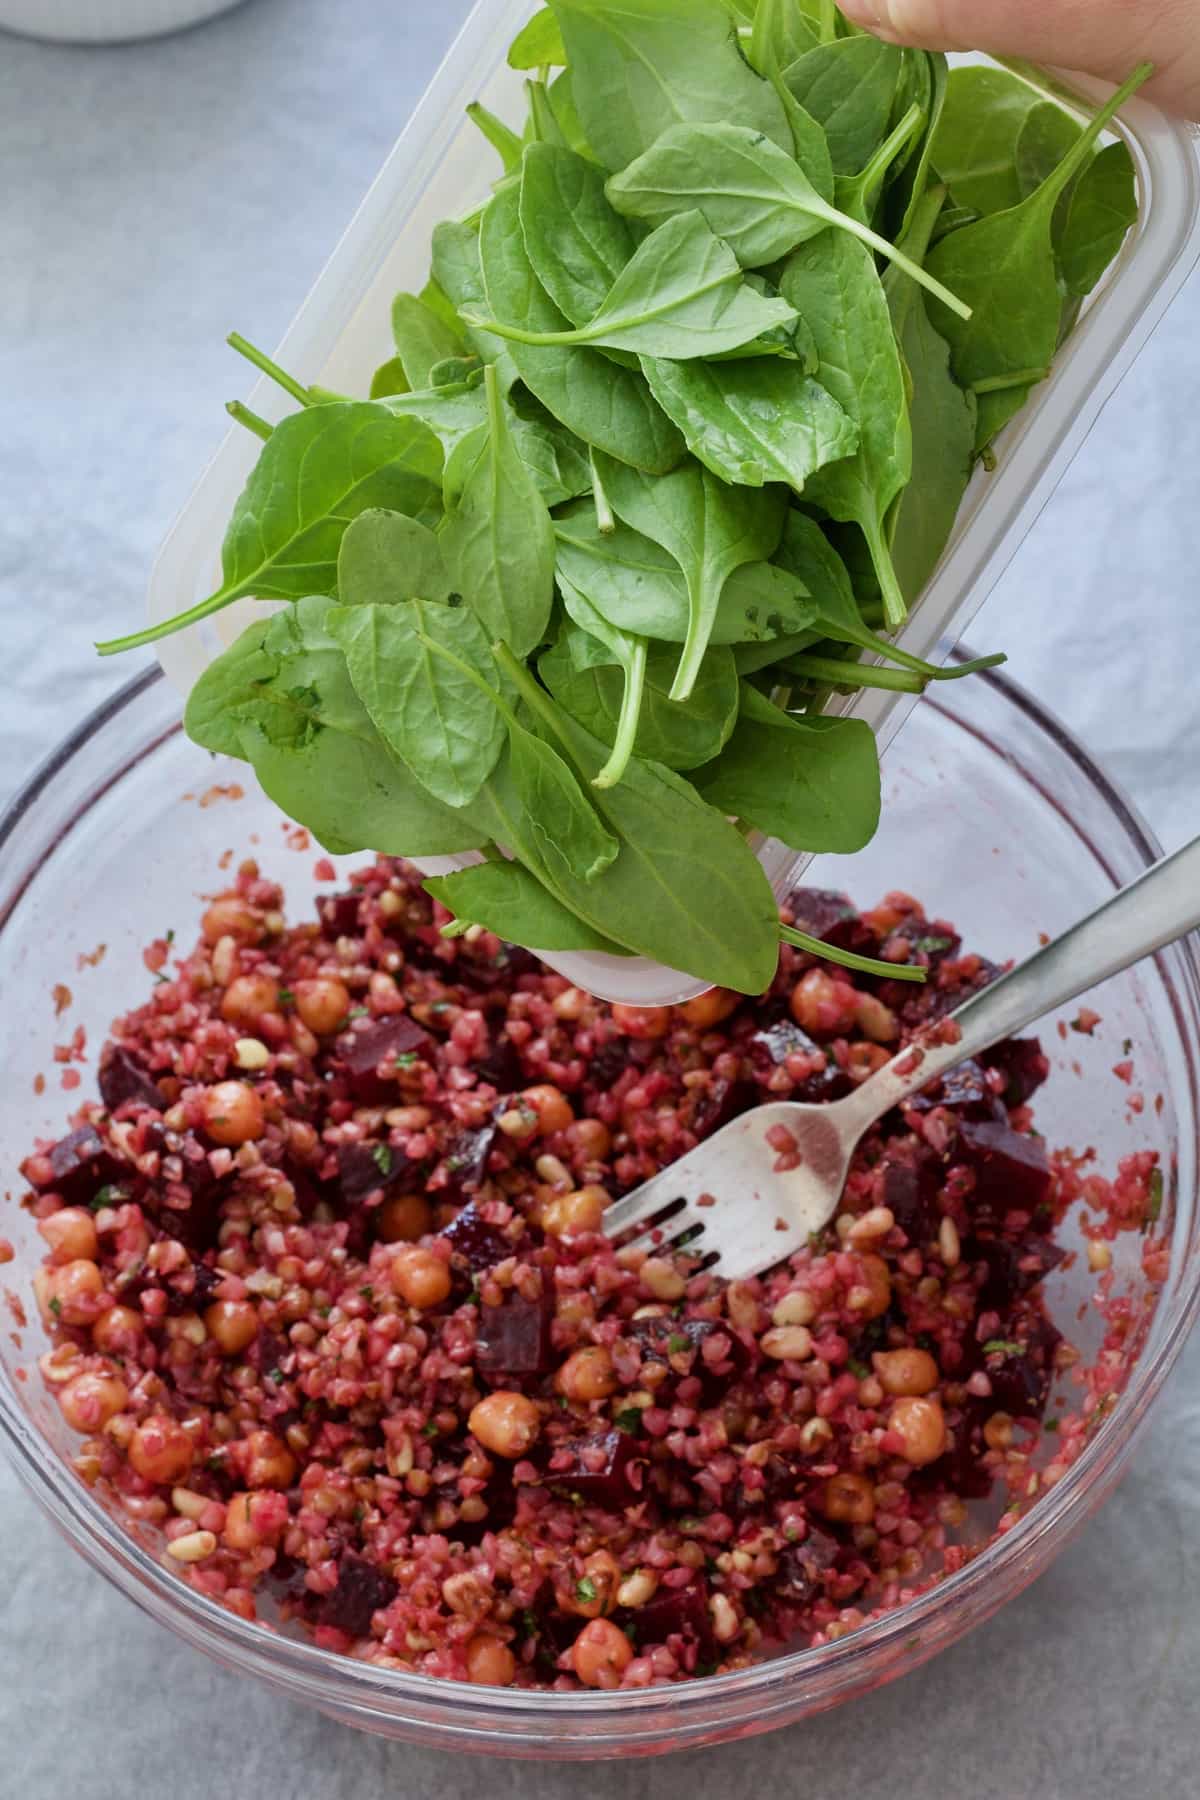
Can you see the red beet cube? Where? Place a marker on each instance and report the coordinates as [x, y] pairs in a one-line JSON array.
[[338, 914], [80, 1165], [604, 1469], [910, 1191], [674, 1612], [123, 1078], [362, 1590], [479, 1245], [1012, 1171], [373, 1055], [465, 1162], [1024, 1065], [513, 1340], [802, 1567], [368, 1168], [965, 1091]]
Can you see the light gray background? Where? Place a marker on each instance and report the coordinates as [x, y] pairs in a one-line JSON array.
[[151, 198]]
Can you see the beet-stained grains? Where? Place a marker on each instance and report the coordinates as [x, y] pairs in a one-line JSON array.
[[331, 1307]]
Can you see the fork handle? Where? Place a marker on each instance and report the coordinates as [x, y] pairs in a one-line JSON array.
[[1160, 906]]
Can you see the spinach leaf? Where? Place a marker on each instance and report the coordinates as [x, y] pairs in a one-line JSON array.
[[423, 339], [910, 190], [1047, 135], [458, 271], [849, 88], [681, 737], [944, 421], [1005, 266], [602, 404], [681, 294], [753, 421], [857, 195], [653, 63], [686, 889], [630, 652], [538, 45], [577, 243], [424, 706], [562, 822], [502, 138], [709, 529], [812, 783], [639, 587], [782, 33], [281, 699], [1103, 207], [318, 470], [387, 557], [974, 147], [835, 285], [505, 898], [759, 201], [389, 378], [553, 455], [451, 413], [499, 542]]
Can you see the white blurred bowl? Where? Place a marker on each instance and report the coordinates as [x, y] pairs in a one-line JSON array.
[[106, 21]]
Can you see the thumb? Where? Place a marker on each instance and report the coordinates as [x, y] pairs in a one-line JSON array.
[[1102, 37]]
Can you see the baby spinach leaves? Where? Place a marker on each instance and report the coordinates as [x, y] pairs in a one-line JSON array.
[[656, 447], [499, 542]]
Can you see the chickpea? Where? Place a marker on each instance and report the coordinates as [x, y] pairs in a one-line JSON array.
[[588, 1374], [72, 1292], [662, 1279], [323, 1004], [864, 1060], [71, 1234], [601, 1654], [904, 1372], [822, 1004], [489, 1662], [252, 1520], [268, 1463], [233, 1114], [710, 1009], [118, 1331], [594, 1595], [231, 916], [553, 1109], [421, 1278], [570, 1214], [590, 1139], [875, 1020], [922, 1426], [506, 1423], [232, 1325], [873, 1295], [248, 997], [646, 1022], [90, 1401], [788, 1343], [403, 1218], [160, 1450], [848, 1500]]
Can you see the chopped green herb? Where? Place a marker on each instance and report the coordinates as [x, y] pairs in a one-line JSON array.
[[1155, 1205], [858, 1369], [677, 1343], [585, 1590], [286, 997], [109, 1195], [430, 1431], [1050, 1425], [406, 1059], [56, 1307], [368, 1292], [359, 1012], [381, 1156], [1126, 1046], [278, 1377], [628, 1420], [1003, 1347]]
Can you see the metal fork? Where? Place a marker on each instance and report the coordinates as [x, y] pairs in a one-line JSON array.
[[743, 1203]]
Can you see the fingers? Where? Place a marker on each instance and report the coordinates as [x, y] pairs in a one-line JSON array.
[[1102, 37]]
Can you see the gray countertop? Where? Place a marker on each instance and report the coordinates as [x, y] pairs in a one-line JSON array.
[[156, 196]]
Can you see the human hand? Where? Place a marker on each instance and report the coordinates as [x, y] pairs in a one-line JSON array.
[[1100, 37]]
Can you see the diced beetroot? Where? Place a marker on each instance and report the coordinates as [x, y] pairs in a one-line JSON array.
[[1022, 1378], [466, 1160], [961, 1470], [662, 1338], [1012, 1171], [824, 914], [362, 1590], [933, 1001], [1013, 1269], [198, 1223], [513, 1340], [930, 941], [338, 914], [205, 1282], [370, 1054], [1024, 1065], [770, 1047], [268, 1352], [476, 1242], [365, 1168], [673, 1612], [609, 1063], [80, 1165], [501, 1067], [910, 1191], [719, 1103], [802, 1566], [965, 1091], [123, 1078], [611, 1483], [501, 970]]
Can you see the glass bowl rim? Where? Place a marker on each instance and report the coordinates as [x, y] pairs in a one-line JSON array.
[[331, 1679]]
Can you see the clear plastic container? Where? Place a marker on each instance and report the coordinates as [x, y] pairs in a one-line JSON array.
[[441, 167], [110, 844]]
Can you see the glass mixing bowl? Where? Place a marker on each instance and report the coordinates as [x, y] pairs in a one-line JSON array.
[[994, 818]]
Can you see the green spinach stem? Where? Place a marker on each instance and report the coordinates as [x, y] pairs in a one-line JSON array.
[[847, 959], [262, 361], [250, 420]]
